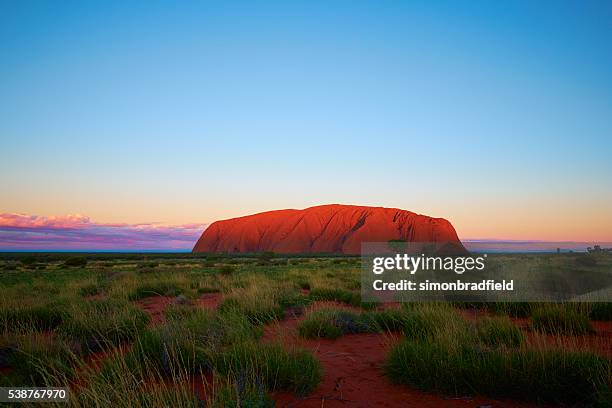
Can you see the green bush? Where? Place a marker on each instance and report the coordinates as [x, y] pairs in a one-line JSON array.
[[585, 260], [226, 270], [76, 261], [147, 265], [266, 256], [28, 260]]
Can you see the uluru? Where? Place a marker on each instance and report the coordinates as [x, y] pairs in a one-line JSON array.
[[332, 228]]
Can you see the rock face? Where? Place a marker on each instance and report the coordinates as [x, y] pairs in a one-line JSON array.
[[333, 228]]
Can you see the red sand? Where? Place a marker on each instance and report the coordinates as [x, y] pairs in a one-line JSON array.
[[330, 228], [353, 373], [210, 301], [154, 307]]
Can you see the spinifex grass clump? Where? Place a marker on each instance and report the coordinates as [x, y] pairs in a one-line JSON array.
[[117, 384], [338, 295], [552, 375], [498, 331], [239, 392], [423, 321], [489, 358], [351, 298], [189, 341], [258, 300], [40, 317], [329, 323], [275, 367], [100, 324], [561, 319], [332, 323], [38, 359]]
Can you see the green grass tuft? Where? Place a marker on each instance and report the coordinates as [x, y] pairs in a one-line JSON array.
[[100, 324], [561, 319], [277, 369], [498, 331]]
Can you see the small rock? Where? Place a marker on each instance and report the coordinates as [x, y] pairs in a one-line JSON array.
[[182, 300]]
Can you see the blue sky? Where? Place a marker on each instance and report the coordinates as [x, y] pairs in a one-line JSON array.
[[495, 115]]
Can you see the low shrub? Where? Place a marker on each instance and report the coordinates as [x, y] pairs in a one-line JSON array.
[[586, 260], [266, 256], [226, 270], [148, 265], [76, 261]]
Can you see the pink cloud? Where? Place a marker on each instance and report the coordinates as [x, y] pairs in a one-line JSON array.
[[78, 232]]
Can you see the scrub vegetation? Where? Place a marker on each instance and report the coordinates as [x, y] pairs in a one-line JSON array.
[[182, 330]]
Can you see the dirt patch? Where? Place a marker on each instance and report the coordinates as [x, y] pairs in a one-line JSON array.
[[210, 301], [353, 372], [154, 307]]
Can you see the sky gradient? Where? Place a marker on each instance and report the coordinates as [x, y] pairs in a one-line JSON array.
[[494, 115]]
